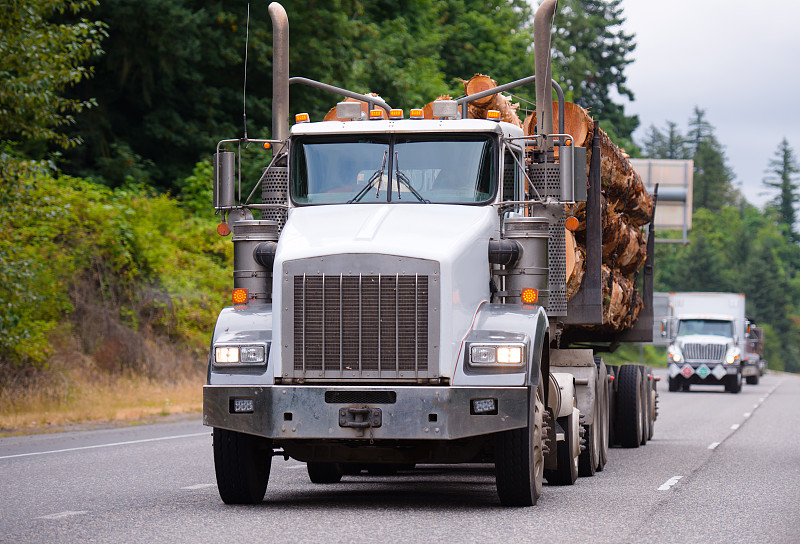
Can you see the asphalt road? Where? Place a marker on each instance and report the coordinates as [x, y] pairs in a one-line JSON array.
[[720, 468]]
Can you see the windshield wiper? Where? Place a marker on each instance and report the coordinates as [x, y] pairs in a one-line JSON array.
[[402, 178], [376, 176]]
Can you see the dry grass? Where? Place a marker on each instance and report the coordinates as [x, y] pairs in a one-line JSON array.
[[74, 389]]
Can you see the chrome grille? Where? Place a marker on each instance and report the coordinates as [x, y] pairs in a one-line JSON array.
[[704, 352], [359, 325]]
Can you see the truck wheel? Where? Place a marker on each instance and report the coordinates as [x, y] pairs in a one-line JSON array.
[[567, 471], [519, 460], [752, 380], [603, 387], [628, 429], [645, 405], [587, 461], [242, 464], [673, 384], [734, 383], [652, 397], [324, 473]]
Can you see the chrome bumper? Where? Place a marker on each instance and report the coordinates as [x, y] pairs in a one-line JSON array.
[[406, 413]]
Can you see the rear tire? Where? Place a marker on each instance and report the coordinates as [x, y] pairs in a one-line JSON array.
[[645, 404], [324, 473], [603, 387], [242, 464], [752, 380], [567, 471], [628, 429], [519, 460]]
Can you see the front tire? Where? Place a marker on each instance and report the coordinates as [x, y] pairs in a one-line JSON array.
[[324, 473], [752, 380], [242, 464], [734, 383], [519, 460]]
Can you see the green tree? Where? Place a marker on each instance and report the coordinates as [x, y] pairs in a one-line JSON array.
[[591, 51], [713, 178], [782, 176], [44, 45], [667, 144]]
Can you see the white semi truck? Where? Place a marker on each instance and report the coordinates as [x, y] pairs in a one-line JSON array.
[[708, 335], [402, 300]]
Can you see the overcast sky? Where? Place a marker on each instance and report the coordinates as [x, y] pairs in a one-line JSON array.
[[740, 61]]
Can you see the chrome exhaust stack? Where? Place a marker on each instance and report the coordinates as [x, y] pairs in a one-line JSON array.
[[544, 71], [280, 71]]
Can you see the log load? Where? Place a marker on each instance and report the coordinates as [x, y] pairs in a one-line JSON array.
[[625, 208], [331, 115], [477, 109]]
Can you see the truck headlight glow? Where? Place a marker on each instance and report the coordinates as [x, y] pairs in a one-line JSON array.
[[674, 354], [733, 356], [239, 355], [489, 355]]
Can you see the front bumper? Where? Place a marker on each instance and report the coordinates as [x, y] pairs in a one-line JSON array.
[[406, 413], [703, 372]]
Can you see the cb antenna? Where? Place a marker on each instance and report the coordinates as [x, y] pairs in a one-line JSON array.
[[244, 89]]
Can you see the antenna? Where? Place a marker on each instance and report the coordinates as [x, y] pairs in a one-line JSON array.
[[244, 88]]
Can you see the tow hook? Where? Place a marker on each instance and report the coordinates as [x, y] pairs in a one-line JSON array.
[[360, 417]]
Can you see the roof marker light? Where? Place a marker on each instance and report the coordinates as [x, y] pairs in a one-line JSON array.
[[301, 118], [375, 115], [416, 113], [493, 115], [396, 113]]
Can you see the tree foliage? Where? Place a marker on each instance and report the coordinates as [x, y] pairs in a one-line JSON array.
[[591, 51], [43, 49], [782, 176]]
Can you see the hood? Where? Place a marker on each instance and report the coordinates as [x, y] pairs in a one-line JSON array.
[[425, 231], [704, 339]]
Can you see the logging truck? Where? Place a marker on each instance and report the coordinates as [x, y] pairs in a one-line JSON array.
[[404, 297]]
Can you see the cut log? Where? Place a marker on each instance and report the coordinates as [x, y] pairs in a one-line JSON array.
[[477, 109]]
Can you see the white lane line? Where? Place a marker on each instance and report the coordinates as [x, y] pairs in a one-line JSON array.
[[62, 515], [734, 426], [143, 441], [761, 400], [747, 414], [756, 405], [669, 483], [713, 445], [198, 486]]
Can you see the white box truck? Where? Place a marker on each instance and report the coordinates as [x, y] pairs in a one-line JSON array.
[[708, 334]]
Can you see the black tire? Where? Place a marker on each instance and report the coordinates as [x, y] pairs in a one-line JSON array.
[[752, 380], [734, 383], [603, 387], [686, 386], [673, 384], [242, 464], [645, 404], [612, 405], [628, 429], [567, 471], [324, 473], [652, 398], [587, 461], [519, 460], [352, 469]]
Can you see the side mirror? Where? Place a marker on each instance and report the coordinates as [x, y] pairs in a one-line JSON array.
[[663, 328]]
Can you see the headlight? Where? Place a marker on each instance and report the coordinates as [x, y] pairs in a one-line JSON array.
[[674, 354], [733, 356], [497, 355], [240, 355]]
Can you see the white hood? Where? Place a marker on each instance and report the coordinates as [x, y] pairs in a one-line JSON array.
[[456, 236]]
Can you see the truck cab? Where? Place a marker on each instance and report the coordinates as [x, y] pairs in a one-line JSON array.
[[705, 351]]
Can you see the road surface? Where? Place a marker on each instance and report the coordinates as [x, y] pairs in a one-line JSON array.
[[720, 468]]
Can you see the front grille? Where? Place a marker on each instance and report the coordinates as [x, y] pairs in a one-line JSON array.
[[704, 352], [360, 397], [353, 326]]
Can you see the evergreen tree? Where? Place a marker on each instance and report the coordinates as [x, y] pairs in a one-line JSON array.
[[670, 144], [591, 51], [713, 178], [783, 170]]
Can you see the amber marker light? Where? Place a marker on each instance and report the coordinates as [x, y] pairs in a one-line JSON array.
[[396, 114], [529, 295], [301, 118], [223, 229], [572, 223], [267, 145], [416, 113], [240, 296], [375, 115], [493, 115]]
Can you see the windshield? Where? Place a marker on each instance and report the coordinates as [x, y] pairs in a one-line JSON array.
[[399, 168], [705, 326]]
